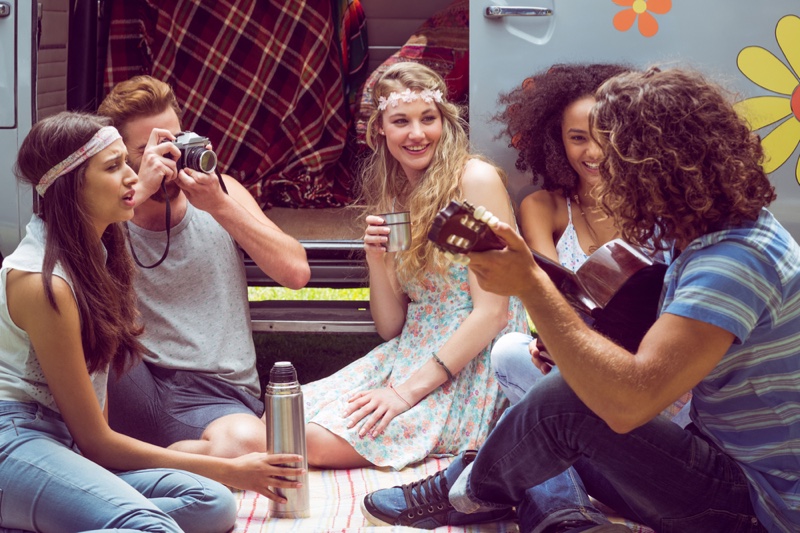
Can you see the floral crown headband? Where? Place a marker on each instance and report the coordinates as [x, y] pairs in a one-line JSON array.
[[394, 98], [99, 142]]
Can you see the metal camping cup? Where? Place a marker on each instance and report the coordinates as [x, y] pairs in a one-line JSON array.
[[399, 225]]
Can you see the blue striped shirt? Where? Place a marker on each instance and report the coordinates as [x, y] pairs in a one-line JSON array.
[[747, 281]]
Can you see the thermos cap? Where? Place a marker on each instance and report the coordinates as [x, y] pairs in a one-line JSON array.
[[283, 372]]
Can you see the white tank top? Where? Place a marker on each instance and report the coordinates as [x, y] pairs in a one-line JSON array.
[[21, 377], [569, 250]]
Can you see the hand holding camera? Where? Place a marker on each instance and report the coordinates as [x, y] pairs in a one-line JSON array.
[[194, 154], [197, 172]]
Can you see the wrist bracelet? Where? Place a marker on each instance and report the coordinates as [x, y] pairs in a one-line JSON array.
[[398, 395], [444, 366]]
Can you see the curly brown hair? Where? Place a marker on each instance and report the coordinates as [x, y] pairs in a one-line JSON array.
[[533, 113], [679, 161]]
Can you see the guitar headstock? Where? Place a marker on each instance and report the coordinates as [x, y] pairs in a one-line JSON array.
[[460, 228]]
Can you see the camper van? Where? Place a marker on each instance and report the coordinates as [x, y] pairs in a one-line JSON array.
[[52, 53]]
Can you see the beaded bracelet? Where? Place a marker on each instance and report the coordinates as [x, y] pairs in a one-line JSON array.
[[444, 366], [398, 395]]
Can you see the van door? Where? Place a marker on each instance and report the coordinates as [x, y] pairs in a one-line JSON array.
[[750, 47], [17, 57]]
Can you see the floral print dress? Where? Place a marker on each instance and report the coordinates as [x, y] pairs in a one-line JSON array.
[[456, 416]]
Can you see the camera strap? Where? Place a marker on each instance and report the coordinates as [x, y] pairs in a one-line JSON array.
[[168, 221]]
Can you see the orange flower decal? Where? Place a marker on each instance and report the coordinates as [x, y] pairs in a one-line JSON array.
[[648, 26]]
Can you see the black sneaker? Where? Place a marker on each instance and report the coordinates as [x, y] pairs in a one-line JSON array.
[[424, 503]]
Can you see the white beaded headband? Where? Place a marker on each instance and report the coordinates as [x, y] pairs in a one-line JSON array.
[[394, 98], [99, 142]]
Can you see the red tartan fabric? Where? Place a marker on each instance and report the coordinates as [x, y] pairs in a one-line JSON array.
[[441, 43], [261, 78]]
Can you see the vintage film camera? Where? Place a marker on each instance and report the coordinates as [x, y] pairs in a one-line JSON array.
[[194, 154]]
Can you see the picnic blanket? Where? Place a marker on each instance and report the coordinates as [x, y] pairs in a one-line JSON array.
[[335, 504], [261, 78]]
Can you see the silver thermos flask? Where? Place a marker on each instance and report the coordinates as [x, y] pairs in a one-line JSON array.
[[286, 433]]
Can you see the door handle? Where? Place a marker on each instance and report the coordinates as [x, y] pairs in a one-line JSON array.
[[493, 12], [5, 9]]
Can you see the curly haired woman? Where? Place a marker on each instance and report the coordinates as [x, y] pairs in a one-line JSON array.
[[680, 166], [429, 389]]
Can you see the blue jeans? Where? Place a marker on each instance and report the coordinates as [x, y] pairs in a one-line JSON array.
[[45, 485], [667, 477], [563, 497]]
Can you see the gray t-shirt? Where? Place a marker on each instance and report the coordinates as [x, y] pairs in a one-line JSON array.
[[194, 304]]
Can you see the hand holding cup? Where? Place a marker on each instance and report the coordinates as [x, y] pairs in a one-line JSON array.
[[388, 232], [399, 237]]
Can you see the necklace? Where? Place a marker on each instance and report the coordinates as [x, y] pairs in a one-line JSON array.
[[592, 232]]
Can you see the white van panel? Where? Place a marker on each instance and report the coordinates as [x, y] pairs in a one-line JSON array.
[[707, 35], [17, 101], [7, 67]]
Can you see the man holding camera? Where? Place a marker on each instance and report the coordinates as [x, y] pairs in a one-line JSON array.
[[197, 389]]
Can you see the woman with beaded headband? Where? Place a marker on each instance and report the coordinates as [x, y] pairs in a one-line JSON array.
[[429, 388], [67, 314]]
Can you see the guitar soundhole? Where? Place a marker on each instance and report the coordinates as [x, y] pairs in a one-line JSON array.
[[470, 223], [459, 242]]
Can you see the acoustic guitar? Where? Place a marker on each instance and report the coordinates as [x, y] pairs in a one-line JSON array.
[[617, 290]]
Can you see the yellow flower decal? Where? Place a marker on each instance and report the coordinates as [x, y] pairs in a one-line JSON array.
[[648, 26], [765, 70]]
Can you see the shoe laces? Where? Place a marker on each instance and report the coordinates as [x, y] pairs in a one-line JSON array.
[[428, 494]]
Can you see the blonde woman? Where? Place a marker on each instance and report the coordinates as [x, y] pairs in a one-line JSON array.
[[429, 388]]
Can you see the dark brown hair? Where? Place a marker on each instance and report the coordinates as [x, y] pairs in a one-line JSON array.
[[533, 114], [679, 161], [101, 272]]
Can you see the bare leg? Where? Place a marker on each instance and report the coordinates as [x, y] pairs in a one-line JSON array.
[[228, 436], [326, 450]]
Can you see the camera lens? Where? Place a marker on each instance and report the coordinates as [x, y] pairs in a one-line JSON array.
[[201, 159]]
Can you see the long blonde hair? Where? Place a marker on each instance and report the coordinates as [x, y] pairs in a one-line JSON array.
[[383, 179]]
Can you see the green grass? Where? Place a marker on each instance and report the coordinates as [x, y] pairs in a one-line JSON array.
[[258, 294]]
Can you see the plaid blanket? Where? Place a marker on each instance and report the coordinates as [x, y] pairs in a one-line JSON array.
[[336, 496], [261, 78]]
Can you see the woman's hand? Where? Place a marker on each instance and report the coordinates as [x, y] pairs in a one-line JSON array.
[[375, 409], [260, 471], [539, 356], [375, 237]]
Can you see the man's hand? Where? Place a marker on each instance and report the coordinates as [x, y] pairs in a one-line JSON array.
[[157, 164], [508, 272], [203, 190]]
